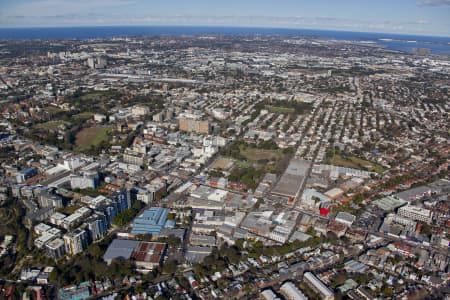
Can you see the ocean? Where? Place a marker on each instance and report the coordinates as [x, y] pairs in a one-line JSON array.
[[437, 45]]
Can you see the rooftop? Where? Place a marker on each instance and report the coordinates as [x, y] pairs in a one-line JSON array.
[[120, 249], [388, 203], [151, 221], [292, 179]]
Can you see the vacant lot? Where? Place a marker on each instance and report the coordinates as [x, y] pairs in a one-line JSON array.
[[254, 154], [92, 136], [355, 163], [222, 163]]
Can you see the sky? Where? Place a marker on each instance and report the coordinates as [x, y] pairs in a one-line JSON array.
[[423, 17]]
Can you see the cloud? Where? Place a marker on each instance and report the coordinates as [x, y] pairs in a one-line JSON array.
[[86, 17], [434, 3]]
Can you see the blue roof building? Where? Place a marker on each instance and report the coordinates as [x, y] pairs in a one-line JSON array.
[[151, 221]]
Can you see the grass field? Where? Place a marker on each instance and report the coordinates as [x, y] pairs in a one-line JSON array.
[[280, 110], [254, 154], [92, 136], [355, 163], [51, 125], [83, 116], [243, 164]]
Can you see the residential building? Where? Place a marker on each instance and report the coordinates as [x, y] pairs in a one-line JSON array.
[[96, 226], [47, 199], [88, 180], [194, 125], [269, 295], [56, 248], [291, 292], [318, 286], [76, 241]]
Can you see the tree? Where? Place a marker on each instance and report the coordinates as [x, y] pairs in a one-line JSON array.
[[239, 243], [170, 267], [231, 253], [96, 251], [387, 291], [170, 240], [183, 282], [223, 283], [288, 150], [54, 275]]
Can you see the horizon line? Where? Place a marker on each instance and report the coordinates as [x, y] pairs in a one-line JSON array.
[[217, 26]]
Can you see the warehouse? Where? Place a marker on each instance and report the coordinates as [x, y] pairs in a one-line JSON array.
[[293, 179]]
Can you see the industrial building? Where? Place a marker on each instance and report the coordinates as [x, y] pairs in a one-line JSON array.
[[151, 221], [293, 179], [334, 193], [416, 213], [146, 255], [388, 203], [345, 218]]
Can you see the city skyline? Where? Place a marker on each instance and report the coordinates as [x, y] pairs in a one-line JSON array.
[[423, 17], [193, 149]]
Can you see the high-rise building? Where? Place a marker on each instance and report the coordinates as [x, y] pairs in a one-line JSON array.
[[97, 62], [110, 211], [47, 199], [55, 248], [76, 241], [122, 200], [96, 226]]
